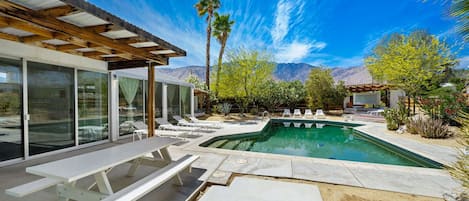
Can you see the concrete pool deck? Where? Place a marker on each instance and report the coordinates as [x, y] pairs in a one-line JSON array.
[[221, 163]]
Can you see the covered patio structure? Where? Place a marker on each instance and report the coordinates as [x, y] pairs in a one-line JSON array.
[[372, 96], [59, 58]]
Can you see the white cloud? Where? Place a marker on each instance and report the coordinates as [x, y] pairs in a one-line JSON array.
[[288, 15], [463, 62], [282, 21], [297, 51]]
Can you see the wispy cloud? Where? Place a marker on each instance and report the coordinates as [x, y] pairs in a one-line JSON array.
[[290, 14], [282, 20]]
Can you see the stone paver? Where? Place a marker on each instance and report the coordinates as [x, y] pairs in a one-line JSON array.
[[323, 172], [245, 188]]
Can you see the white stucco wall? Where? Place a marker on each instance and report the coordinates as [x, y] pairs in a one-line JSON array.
[[394, 97]]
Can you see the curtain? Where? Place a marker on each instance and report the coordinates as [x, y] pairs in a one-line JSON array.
[[185, 95], [129, 88]]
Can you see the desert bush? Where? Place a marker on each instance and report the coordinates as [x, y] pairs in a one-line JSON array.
[[434, 128], [224, 108], [414, 124]]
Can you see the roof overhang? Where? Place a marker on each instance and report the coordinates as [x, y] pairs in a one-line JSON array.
[[80, 28]]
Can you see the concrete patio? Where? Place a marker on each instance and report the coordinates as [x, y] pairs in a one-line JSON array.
[[220, 164]]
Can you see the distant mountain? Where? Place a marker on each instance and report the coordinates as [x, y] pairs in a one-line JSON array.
[[284, 71]]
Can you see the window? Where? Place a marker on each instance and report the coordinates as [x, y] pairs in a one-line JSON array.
[[173, 100], [51, 107], [185, 100], [11, 127], [92, 106], [130, 104]]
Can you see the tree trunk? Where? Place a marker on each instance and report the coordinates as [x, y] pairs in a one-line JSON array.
[[408, 105], [220, 60], [207, 61]]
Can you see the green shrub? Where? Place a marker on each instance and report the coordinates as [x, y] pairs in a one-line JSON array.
[[216, 108], [395, 117], [434, 128], [254, 111]]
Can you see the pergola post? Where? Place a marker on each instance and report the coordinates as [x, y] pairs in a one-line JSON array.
[[151, 99]]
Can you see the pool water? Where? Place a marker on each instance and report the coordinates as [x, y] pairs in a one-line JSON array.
[[325, 141]]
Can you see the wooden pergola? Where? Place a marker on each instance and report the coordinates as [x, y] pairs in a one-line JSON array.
[[80, 28], [368, 87]]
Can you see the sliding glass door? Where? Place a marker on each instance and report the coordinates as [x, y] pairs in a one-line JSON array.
[[174, 107], [185, 100], [130, 104], [51, 107], [11, 129], [92, 106]]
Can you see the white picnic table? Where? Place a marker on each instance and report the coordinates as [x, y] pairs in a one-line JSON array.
[[97, 163]]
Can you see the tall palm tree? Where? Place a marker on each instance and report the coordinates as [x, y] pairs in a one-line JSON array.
[[221, 31], [460, 9], [207, 7]]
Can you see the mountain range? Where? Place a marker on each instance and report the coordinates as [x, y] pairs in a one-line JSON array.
[[285, 72]]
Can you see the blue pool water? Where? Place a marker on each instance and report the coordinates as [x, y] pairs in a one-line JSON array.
[[329, 141]]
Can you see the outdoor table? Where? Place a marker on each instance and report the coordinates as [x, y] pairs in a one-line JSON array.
[[96, 163]]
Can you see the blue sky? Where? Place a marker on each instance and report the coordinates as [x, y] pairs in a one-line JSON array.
[[335, 33]]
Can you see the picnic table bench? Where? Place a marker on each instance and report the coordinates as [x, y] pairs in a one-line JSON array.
[[66, 172]]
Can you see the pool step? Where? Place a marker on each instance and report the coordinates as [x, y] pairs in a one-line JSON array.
[[245, 145], [218, 144], [230, 145]]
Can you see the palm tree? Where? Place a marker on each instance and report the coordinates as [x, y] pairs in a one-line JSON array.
[[207, 7], [459, 9], [222, 28]]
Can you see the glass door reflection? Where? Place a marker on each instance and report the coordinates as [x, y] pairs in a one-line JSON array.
[[51, 107]]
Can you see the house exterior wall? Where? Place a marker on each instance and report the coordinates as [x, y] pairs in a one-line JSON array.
[[73, 64], [394, 97]]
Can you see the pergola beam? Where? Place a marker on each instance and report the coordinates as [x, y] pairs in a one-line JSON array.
[[119, 65], [115, 20], [54, 24]]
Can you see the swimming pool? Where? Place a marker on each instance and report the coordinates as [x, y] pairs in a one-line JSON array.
[[320, 139]]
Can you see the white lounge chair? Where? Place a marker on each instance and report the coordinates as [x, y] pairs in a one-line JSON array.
[[308, 125], [377, 112], [141, 130], [319, 114], [297, 124], [286, 124], [308, 113], [195, 120], [286, 112], [165, 125], [183, 122], [297, 113]]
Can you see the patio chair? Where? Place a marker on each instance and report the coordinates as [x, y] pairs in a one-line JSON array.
[[183, 122], [308, 125], [165, 125], [286, 124], [297, 113], [308, 113], [377, 112], [286, 112], [319, 114], [195, 120], [297, 124], [141, 130]]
